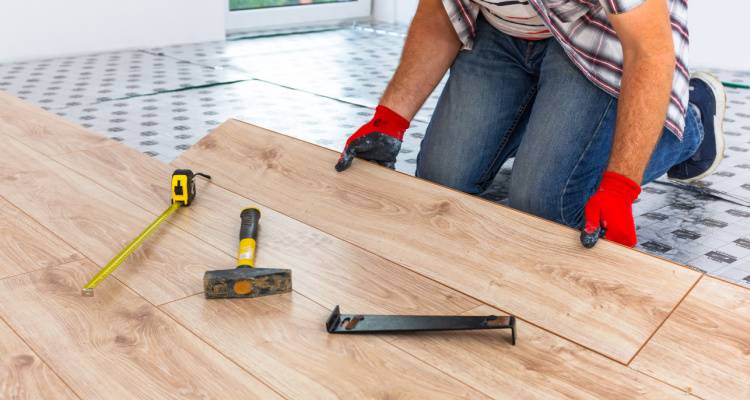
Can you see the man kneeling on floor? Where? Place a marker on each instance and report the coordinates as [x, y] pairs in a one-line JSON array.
[[592, 97]]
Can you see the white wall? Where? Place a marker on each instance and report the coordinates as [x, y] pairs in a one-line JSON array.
[[719, 32], [720, 36], [394, 11], [48, 28]]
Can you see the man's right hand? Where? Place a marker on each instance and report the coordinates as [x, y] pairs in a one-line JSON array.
[[431, 47], [378, 140]]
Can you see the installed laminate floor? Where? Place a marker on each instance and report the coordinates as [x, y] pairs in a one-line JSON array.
[[149, 333], [703, 332], [115, 345]]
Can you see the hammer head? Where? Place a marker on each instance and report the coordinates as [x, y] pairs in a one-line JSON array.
[[246, 282]]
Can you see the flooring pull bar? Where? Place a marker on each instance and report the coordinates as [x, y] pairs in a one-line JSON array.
[[359, 323]]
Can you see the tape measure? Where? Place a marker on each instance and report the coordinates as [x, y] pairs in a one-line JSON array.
[[183, 194], [183, 186]]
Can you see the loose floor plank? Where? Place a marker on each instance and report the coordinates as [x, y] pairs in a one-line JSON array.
[[26, 246], [116, 345], [540, 366], [46, 132], [610, 299], [704, 346], [23, 375], [98, 223], [325, 269], [282, 339]]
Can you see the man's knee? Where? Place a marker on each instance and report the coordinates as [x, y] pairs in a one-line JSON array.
[[445, 173], [531, 199], [547, 202]]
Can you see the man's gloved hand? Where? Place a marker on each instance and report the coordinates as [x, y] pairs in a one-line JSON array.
[[611, 209], [378, 140]]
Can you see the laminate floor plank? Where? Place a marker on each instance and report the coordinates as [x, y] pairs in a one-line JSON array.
[[325, 269], [610, 298], [283, 340], [27, 246], [46, 132], [23, 375], [704, 346], [98, 223], [116, 345]]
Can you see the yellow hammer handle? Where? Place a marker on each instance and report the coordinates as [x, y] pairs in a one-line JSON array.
[[246, 253], [112, 265]]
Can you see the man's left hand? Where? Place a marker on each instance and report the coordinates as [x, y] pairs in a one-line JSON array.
[[611, 209]]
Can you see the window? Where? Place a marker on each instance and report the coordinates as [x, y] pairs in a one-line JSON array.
[[236, 5], [257, 14]]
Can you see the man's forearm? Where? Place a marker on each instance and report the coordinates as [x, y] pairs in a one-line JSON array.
[[431, 46], [641, 111], [648, 68]]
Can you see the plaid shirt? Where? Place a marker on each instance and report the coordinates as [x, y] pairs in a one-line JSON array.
[[582, 29]]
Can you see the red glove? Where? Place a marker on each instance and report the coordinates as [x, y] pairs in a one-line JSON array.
[[378, 140], [611, 208]]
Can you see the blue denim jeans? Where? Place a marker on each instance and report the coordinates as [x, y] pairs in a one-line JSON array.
[[511, 97]]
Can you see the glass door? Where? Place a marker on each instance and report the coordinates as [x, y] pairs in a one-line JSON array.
[[257, 14]]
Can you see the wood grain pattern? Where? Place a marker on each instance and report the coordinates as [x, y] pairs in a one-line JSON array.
[[98, 223], [609, 299], [704, 346], [26, 246], [46, 132], [540, 366], [283, 340], [23, 375], [325, 269], [115, 345]]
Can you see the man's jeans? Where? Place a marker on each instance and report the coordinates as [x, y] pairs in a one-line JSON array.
[[510, 97]]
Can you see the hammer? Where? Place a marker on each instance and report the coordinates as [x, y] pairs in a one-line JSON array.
[[246, 280]]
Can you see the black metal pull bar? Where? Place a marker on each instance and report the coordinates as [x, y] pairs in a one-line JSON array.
[[358, 323]]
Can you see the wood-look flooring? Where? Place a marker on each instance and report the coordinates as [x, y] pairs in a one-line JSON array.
[[610, 323]]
